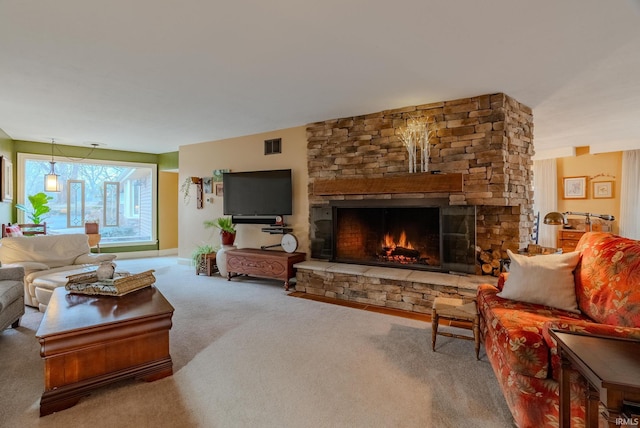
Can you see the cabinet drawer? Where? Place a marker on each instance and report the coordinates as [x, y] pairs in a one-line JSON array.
[[572, 235]]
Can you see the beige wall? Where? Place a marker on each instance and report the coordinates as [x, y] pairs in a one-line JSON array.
[[597, 167], [167, 210], [242, 154]]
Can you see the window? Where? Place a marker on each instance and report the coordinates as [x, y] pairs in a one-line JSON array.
[[118, 195]]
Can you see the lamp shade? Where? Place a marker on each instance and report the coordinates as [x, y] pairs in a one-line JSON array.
[[555, 218], [52, 182]]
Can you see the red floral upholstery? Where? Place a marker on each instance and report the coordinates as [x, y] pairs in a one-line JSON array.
[[516, 335], [608, 282]]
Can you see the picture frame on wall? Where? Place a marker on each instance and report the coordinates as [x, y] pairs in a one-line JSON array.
[[207, 184], [6, 179], [603, 190], [219, 189], [574, 187], [217, 174]]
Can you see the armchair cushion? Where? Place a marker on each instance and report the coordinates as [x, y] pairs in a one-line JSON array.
[[92, 259], [52, 250], [9, 293]]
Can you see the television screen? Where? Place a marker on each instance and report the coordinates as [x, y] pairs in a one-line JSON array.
[[257, 193]]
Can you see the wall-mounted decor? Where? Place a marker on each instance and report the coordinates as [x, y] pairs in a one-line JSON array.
[[219, 189], [603, 190], [217, 174], [575, 187], [6, 179], [207, 184]]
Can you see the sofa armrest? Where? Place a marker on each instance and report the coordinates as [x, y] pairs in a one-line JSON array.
[[93, 259], [12, 273]]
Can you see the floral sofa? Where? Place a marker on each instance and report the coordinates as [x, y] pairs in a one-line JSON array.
[[606, 282]]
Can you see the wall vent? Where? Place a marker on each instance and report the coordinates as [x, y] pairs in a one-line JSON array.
[[273, 146]]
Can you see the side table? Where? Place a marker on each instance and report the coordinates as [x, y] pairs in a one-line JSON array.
[[611, 367], [455, 310]]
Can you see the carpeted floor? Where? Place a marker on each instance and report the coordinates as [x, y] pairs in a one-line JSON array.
[[246, 354]]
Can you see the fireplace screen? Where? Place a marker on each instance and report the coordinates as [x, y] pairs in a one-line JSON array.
[[388, 236], [428, 238]]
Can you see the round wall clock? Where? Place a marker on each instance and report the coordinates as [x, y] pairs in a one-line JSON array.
[[289, 243]]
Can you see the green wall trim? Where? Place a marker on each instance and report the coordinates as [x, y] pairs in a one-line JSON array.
[[168, 161], [76, 151]]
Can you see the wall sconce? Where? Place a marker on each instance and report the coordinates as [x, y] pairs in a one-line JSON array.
[[556, 218], [199, 192]]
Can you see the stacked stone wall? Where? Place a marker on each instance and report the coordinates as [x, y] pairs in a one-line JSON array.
[[489, 139]]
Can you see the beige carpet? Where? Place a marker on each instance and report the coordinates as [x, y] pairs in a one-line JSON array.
[[248, 355]]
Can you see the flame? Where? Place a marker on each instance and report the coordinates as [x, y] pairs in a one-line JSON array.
[[389, 242]]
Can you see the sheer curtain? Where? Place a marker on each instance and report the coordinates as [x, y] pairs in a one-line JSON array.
[[630, 195], [545, 198]]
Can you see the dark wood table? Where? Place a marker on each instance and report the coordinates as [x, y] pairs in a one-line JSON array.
[[91, 341], [263, 263], [611, 367]]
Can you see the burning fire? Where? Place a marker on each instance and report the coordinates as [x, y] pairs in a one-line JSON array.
[[390, 244], [399, 252]]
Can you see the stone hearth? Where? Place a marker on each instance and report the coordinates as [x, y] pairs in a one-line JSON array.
[[485, 139]]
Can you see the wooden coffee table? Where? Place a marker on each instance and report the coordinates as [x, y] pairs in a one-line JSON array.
[[91, 341]]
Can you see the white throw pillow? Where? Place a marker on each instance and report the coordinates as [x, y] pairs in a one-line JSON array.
[[545, 280]]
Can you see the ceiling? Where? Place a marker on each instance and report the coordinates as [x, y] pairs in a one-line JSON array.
[[152, 75]]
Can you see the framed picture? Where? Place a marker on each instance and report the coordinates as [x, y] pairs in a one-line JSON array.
[[207, 184], [217, 174], [603, 190], [575, 187], [219, 189], [6, 179]]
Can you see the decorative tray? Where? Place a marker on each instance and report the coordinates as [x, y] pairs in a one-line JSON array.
[[121, 284]]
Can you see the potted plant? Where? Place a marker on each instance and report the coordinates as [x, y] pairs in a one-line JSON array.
[[198, 257], [40, 207], [227, 230]]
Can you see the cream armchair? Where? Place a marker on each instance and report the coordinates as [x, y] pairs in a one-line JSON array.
[[11, 296], [47, 260]]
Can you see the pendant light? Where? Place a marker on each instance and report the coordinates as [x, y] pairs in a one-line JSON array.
[[52, 180]]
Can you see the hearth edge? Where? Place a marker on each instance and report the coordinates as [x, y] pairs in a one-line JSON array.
[[411, 290]]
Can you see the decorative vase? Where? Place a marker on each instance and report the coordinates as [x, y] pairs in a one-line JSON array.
[[228, 238], [221, 259], [106, 270]]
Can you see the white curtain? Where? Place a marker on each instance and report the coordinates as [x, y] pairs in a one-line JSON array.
[[545, 198], [630, 195]]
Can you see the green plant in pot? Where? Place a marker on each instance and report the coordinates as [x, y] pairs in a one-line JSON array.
[[40, 207], [197, 256], [227, 230]]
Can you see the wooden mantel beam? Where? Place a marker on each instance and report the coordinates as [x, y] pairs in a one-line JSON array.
[[424, 182]]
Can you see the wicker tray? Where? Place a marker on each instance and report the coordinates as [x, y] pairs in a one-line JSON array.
[[87, 283]]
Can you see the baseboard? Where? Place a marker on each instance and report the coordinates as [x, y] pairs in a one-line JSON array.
[[148, 253]]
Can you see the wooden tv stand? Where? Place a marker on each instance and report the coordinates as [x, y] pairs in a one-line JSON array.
[[263, 263]]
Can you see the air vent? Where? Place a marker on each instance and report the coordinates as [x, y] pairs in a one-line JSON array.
[[272, 147]]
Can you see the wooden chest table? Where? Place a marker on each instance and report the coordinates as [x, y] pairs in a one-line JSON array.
[[90, 341], [263, 263]]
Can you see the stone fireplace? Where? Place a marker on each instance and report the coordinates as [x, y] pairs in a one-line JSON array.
[[480, 158]]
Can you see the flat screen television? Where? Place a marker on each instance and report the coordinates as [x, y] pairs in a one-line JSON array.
[[257, 193]]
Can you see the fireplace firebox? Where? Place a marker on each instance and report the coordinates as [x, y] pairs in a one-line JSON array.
[[396, 233]]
